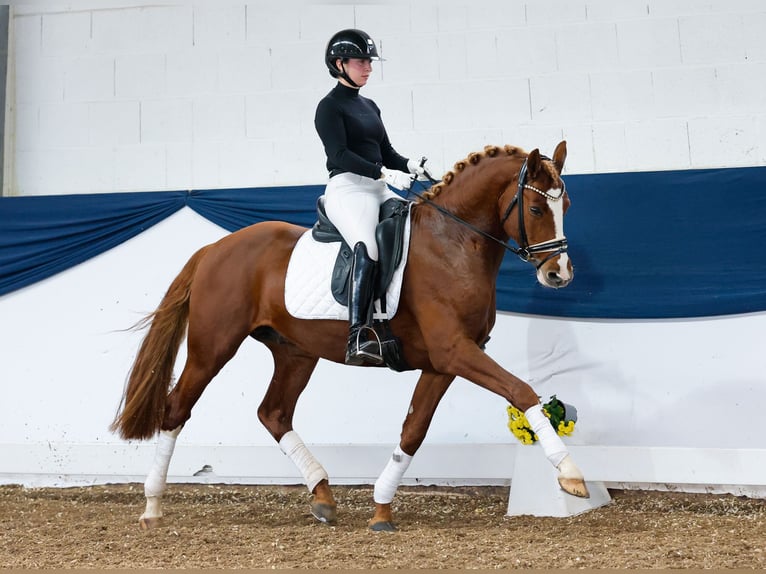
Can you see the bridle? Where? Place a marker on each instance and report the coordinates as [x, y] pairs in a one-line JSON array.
[[555, 246], [524, 251]]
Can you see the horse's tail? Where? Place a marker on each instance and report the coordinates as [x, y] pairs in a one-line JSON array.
[[143, 402]]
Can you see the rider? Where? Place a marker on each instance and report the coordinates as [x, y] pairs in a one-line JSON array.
[[360, 162]]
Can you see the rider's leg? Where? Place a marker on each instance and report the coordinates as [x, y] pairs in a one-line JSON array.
[[353, 203]]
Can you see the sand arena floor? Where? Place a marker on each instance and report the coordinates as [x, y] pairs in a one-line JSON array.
[[216, 526]]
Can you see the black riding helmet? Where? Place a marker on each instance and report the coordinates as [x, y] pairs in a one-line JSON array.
[[349, 44]]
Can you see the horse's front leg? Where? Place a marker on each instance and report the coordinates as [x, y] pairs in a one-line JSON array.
[[570, 478], [465, 359], [428, 392]]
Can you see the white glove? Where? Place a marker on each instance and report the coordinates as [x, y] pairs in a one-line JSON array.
[[418, 169], [397, 179]]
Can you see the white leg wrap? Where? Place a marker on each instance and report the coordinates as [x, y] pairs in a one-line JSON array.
[[389, 479], [553, 446], [156, 480], [313, 472]]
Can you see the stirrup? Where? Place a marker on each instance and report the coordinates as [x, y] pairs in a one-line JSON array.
[[365, 351]]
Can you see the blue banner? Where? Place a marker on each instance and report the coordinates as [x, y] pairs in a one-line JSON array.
[[655, 245], [644, 245]]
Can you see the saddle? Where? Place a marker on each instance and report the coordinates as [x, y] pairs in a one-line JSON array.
[[389, 235]]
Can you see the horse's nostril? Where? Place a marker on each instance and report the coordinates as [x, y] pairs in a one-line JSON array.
[[554, 278]]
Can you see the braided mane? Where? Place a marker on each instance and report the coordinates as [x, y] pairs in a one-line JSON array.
[[474, 158]]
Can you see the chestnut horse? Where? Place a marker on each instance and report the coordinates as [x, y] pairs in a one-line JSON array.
[[234, 288]]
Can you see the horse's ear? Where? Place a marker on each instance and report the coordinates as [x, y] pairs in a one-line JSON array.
[[560, 156], [533, 163]]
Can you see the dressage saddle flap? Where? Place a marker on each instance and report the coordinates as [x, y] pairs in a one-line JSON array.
[[389, 235]]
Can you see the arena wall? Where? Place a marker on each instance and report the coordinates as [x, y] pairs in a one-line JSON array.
[[681, 394], [130, 97]]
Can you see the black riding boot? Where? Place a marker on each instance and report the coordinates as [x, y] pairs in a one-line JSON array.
[[363, 344]]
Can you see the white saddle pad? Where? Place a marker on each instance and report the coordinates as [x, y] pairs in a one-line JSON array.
[[309, 273]]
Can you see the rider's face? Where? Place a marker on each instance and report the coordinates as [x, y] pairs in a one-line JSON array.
[[358, 69]]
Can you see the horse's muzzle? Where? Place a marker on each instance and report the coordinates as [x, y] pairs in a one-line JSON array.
[[556, 273]]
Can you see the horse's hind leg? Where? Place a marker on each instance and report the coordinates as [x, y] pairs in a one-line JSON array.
[[178, 406], [428, 392], [199, 370], [292, 370]]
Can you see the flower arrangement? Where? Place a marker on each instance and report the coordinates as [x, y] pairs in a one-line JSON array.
[[561, 416]]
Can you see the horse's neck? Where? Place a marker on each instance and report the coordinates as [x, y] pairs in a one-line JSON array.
[[463, 239], [473, 195]]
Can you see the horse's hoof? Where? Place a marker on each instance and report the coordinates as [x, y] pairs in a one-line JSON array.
[[148, 523], [324, 513], [574, 486], [383, 526]]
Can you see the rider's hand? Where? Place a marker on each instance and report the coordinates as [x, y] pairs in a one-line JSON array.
[[419, 170], [397, 179]]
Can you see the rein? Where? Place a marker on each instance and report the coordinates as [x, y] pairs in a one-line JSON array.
[[524, 251]]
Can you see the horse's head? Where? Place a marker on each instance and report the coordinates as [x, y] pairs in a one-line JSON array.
[[533, 215], [531, 203]]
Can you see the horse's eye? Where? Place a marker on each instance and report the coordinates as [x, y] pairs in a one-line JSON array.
[[536, 211]]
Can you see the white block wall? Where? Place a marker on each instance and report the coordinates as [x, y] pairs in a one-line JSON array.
[[132, 96]]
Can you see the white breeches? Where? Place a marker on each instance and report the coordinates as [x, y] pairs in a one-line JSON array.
[[352, 203]]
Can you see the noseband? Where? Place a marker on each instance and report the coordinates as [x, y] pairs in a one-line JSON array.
[[524, 251]]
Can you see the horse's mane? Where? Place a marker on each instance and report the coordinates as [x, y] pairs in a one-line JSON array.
[[474, 158]]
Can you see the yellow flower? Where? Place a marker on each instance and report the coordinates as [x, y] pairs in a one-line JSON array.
[[526, 438], [521, 429], [566, 428]]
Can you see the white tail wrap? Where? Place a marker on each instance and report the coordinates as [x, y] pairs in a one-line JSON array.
[[389, 479], [156, 480], [554, 448], [313, 472]]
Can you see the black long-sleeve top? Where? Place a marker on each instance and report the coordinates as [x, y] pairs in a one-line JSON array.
[[353, 134]]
